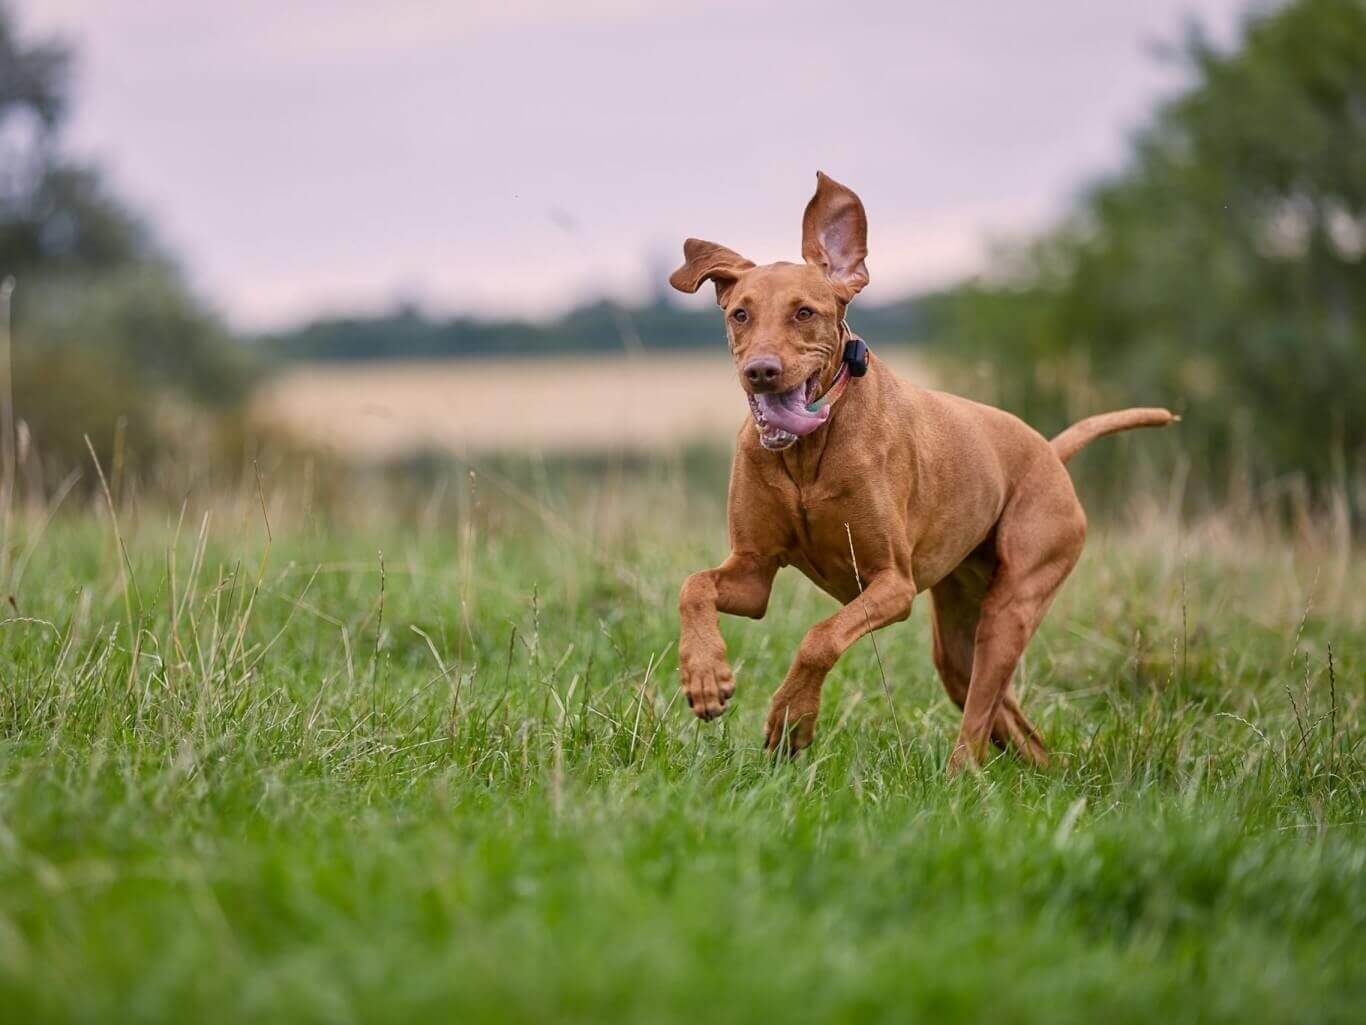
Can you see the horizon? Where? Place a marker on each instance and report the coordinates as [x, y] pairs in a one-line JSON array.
[[471, 163]]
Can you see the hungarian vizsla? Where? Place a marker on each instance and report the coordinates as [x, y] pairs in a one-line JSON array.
[[875, 490]]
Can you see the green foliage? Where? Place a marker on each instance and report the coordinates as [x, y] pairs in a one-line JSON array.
[[142, 318], [64, 394], [68, 223], [123, 359], [276, 776], [125, 356], [1223, 273]]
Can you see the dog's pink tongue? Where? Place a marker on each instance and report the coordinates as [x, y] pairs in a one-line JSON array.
[[788, 412]]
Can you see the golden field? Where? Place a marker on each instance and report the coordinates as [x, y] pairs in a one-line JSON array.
[[647, 401]]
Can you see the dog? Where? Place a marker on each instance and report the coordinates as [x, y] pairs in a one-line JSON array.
[[876, 490]]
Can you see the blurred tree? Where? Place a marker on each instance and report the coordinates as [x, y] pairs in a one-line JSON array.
[[1221, 272], [99, 310], [53, 215], [33, 77]]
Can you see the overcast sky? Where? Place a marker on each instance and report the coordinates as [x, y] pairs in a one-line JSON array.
[[517, 156]]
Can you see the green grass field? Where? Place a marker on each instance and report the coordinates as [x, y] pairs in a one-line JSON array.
[[292, 779]]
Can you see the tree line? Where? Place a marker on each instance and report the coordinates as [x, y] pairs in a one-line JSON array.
[[596, 327]]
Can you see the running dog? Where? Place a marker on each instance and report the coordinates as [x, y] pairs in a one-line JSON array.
[[875, 490]]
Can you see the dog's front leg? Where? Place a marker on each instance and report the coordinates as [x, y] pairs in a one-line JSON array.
[[740, 586], [792, 714]]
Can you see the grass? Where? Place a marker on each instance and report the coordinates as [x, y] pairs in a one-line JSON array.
[[258, 771]]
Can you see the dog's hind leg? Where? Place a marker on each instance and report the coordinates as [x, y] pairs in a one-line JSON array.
[[1013, 727], [956, 610], [1038, 540], [957, 602]]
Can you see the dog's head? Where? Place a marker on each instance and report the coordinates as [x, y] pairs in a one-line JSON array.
[[785, 320]]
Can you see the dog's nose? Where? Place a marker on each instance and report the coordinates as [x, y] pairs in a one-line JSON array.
[[763, 372]]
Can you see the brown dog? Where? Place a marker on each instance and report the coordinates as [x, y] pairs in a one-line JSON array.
[[925, 490]]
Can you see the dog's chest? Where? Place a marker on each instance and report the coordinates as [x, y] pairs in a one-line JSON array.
[[835, 524]]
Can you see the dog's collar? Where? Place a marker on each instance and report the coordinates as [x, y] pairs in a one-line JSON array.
[[853, 364]]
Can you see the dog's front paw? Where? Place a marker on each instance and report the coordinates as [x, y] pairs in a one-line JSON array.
[[791, 724], [708, 684]]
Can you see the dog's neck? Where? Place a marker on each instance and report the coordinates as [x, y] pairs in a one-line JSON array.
[[837, 360]]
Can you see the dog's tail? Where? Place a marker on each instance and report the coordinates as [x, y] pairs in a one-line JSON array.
[[1083, 432]]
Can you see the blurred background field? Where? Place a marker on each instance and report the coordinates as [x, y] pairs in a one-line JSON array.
[[639, 403], [1215, 266], [352, 452]]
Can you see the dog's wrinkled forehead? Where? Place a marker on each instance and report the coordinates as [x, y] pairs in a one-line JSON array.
[[782, 285]]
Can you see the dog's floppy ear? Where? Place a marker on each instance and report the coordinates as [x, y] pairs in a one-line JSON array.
[[835, 236], [706, 261]]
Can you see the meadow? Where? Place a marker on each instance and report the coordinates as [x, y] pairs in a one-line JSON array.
[[419, 754]]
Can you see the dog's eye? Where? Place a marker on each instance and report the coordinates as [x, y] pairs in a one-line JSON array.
[[739, 316], [805, 313]]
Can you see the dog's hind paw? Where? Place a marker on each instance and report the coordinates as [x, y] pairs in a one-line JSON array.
[[791, 724], [962, 759]]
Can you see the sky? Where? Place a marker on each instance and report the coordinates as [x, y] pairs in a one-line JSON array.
[[516, 157]]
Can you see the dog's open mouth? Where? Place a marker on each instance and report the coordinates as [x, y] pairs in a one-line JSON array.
[[783, 418]]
